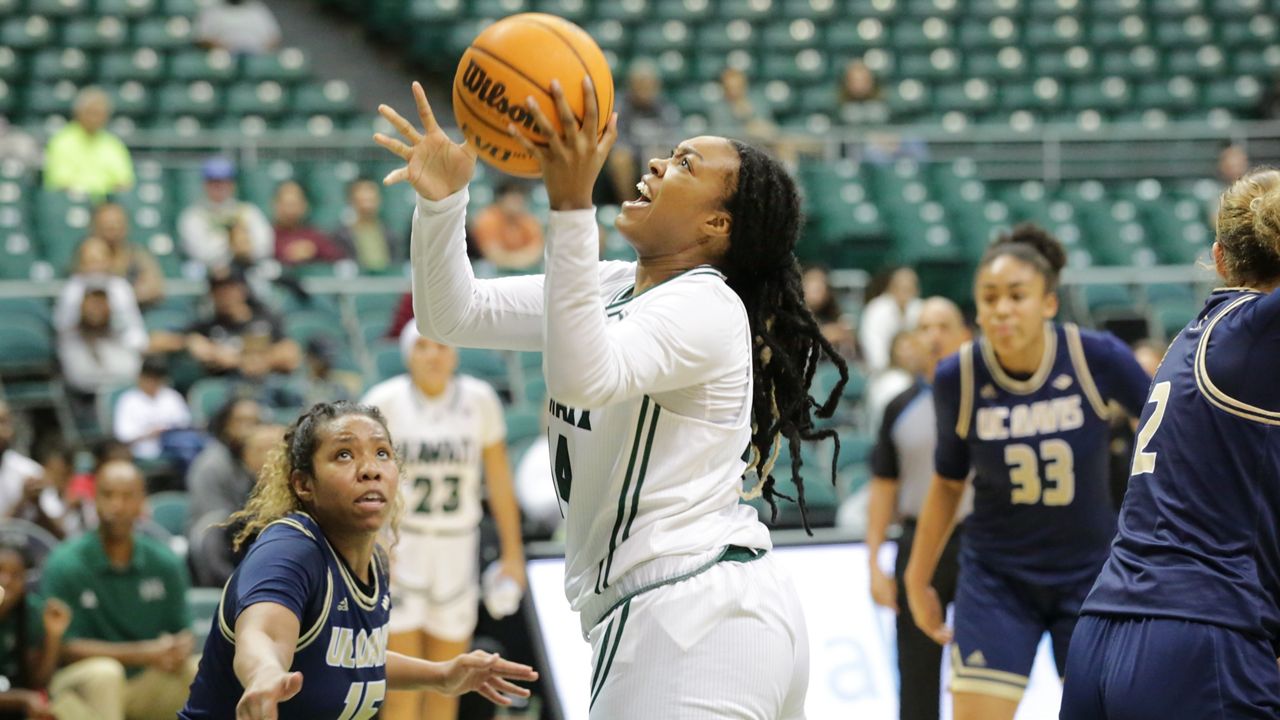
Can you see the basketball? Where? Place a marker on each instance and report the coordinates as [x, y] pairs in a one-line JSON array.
[[513, 59]]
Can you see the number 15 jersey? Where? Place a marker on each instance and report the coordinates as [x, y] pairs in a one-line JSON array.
[[1038, 448], [441, 442]]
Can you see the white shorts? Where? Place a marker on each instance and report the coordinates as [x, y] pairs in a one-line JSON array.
[[435, 584], [727, 644]]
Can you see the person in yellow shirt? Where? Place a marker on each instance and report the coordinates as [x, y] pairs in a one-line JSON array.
[[83, 156]]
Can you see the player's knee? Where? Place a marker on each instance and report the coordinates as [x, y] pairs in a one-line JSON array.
[[101, 674]]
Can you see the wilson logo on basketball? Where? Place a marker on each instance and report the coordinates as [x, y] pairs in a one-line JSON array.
[[494, 95]]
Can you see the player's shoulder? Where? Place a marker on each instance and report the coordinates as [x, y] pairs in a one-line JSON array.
[[295, 530], [1096, 344], [948, 370], [616, 275], [387, 391]]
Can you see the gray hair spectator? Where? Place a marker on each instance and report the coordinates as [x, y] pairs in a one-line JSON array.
[[83, 156], [131, 261]]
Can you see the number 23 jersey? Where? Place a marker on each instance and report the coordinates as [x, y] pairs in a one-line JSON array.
[[1038, 448], [441, 442]]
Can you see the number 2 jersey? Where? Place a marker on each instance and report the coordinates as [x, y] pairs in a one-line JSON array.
[[1038, 449], [441, 442], [342, 637], [1199, 530]]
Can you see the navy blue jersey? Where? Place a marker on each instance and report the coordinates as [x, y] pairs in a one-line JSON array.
[[342, 642], [1038, 451], [1198, 528]]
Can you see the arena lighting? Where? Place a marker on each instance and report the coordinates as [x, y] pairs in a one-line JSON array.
[[852, 672]]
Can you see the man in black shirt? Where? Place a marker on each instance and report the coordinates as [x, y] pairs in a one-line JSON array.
[[219, 340]]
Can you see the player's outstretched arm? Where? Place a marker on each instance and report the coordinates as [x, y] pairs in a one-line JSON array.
[[266, 634], [476, 671], [937, 519], [450, 305]]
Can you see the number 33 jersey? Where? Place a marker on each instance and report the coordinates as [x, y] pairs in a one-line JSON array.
[[441, 441], [1038, 449]]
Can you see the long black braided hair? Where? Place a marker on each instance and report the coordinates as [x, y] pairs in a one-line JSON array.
[[762, 269]]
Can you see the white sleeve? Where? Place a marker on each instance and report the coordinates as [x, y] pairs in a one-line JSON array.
[[200, 240], [875, 333], [124, 304], [66, 311], [679, 340], [179, 411], [449, 304], [129, 422]]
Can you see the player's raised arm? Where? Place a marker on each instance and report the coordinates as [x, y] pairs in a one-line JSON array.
[[266, 635], [449, 303]]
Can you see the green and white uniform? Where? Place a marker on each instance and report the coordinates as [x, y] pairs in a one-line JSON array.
[[650, 420], [435, 578]]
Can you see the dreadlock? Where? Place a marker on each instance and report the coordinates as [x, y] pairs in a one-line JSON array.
[[762, 269]]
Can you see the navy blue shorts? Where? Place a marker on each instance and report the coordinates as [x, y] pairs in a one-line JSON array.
[[1123, 668], [999, 621]]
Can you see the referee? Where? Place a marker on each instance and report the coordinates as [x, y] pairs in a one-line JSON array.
[[902, 468]]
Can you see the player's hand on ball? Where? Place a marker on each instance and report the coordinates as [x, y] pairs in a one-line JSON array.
[[573, 157], [261, 698], [487, 674], [435, 166], [926, 611]]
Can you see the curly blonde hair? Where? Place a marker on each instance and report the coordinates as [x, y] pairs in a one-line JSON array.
[[1248, 227], [274, 497]]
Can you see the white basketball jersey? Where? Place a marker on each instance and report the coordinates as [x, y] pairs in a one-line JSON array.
[[653, 476], [441, 442]]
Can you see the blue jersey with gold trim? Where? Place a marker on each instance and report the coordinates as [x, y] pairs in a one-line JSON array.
[[342, 643], [1038, 451], [1199, 530]]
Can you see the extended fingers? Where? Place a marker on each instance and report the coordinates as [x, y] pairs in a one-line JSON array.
[[425, 114], [395, 176], [393, 145], [401, 125], [508, 688], [568, 123], [590, 108], [610, 135], [543, 124]]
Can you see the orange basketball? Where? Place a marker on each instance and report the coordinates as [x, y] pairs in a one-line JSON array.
[[513, 59]]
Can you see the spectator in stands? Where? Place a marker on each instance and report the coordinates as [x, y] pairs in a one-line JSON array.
[[893, 305], [130, 261], [218, 340], [147, 411], [647, 120], [238, 26], [92, 268], [323, 383], [24, 491], [859, 99], [216, 495], [1233, 163], [296, 242], [84, 156], [78, 513], [906, 363], [741, 113], [506, 233], [101, 351], [128, 594], [401, 317], [826, 310], [204, 228], [274, 391], [365, 238], [31, 634]]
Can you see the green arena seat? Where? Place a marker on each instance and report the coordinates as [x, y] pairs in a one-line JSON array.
[[1258, 31], [12, 64], [1112, 93], [43, 100], [181, 7], [1205, 62], [574, 10], [933, 66], [1240, 94], [1058, 32], [163, 33], [1174, 95], [198, 99], [812, 9], [1173, 9], [130, 99], [142, 64], [926, 33], [1192, 31], [431, 11], [724, 37], [995, 8], [95, 33], [792, 35], [33, 31], [1075, 62], [330, 98], [53, 64], [1008, 63], [624, 10], [1141, 62], [286, 66], [856, 36], [127, 8], [213, 66], [59, 8], [267, 98]]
